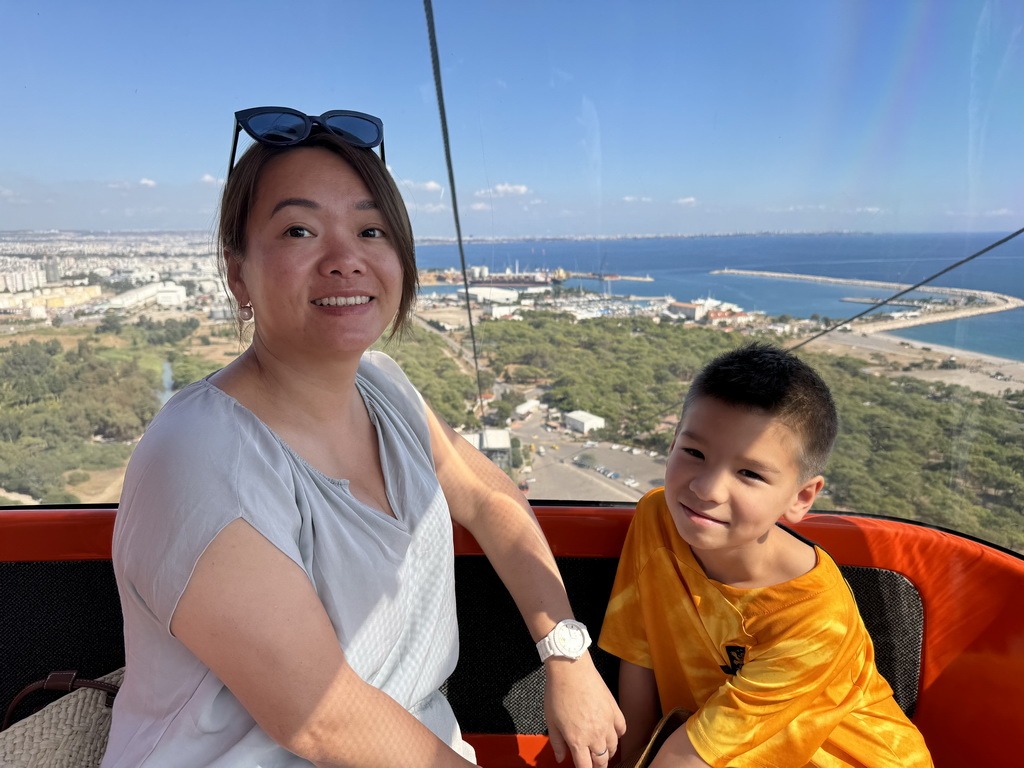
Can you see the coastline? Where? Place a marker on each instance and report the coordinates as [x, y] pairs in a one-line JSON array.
[[982, 373], [874, 340], [994, 302]]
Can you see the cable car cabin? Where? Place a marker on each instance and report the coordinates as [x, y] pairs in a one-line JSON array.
[[943, 610]]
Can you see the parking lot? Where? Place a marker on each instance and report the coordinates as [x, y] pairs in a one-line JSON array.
[[566, 466]]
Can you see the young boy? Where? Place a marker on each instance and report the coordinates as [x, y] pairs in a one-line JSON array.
[[718, 610]]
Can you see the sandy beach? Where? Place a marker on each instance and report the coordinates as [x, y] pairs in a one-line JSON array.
[[983, 373], [875, 340]]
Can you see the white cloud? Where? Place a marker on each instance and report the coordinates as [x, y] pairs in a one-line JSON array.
[[421, 186], [872, 209], [147, 182], [635, 199], [10, 197], [209, 178], [119, 185], [994, 213], [503, 190], [797, 209], [686, 202], [132, 213], [480, 207], [427, 207]]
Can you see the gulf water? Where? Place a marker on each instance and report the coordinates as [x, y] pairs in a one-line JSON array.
[[682, 267]]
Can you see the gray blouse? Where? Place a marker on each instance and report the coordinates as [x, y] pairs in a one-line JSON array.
[[386, 583]]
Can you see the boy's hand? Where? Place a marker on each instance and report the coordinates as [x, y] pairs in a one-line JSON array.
[[583, 718]]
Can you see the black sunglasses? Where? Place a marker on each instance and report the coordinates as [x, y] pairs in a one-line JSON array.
[[283, 127]]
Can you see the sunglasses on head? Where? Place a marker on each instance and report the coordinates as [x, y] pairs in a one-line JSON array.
[[283, 127]]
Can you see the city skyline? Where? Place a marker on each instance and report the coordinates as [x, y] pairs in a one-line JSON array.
[[566, 120]]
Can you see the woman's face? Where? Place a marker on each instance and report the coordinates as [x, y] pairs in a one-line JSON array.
[[319, 270]]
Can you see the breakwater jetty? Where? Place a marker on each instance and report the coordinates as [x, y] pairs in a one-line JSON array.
[[979, 302], [607, 277]]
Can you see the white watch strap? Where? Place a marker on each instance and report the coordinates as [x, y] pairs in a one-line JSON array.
[[548, 647]]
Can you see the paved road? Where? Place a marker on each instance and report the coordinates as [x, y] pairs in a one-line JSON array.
[[556, 477]]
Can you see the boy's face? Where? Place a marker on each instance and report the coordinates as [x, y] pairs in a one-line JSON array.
[[731, 474]]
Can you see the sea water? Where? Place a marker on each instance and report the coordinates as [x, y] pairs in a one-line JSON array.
[[682, 268]]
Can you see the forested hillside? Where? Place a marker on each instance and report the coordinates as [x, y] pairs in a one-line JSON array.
[[71, 408], [939, 453], [926, 451], [67, 411]]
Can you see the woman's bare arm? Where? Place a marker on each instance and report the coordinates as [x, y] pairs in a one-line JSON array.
[[252, 616], [582, 715]]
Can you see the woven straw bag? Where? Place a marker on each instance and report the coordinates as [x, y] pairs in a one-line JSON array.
[[69, 733]]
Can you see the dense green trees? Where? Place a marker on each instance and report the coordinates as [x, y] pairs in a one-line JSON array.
[[630, 371], [157, 332], [927, 451], [63, 411], [428, 362]]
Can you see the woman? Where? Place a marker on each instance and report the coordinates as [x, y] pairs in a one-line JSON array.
[[283, 547]]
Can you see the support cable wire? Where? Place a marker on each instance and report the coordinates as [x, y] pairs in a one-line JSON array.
[[429, 11], [915, 286]]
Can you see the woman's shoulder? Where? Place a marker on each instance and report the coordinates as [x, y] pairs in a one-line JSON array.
[[377, 366], [197, 412], [202, 432], [380, 375]]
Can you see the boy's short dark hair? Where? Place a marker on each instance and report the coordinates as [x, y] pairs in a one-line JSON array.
[[762, 377]]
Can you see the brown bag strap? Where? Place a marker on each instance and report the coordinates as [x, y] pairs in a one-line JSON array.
[[668, 725], [65, 680]]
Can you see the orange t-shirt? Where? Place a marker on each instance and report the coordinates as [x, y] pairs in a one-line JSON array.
[[777, 676]]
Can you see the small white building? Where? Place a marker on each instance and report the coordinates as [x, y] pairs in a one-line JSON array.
[[583, 422], [500, 311], [687, 310], [485, 293], [524, 409]]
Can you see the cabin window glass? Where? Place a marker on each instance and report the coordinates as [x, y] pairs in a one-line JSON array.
[[640, 186]]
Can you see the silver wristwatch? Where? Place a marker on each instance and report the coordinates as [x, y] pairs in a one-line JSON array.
[[568, 639]]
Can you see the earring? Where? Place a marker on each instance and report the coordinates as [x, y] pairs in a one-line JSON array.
[[245, 313]]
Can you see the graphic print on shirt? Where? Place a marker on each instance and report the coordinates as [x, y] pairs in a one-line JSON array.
[[736, 654]]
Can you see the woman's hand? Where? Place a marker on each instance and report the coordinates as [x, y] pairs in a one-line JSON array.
[[583, 718]]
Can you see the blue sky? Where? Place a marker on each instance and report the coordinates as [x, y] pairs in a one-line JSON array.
[[566, 118]]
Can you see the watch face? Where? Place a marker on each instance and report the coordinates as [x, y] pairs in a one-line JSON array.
[[569, 639]]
